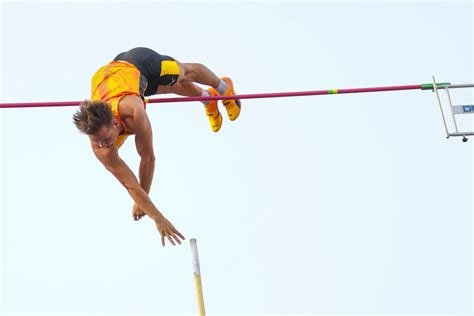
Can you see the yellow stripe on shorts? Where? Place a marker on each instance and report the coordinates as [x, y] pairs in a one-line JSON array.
[[169, 67]]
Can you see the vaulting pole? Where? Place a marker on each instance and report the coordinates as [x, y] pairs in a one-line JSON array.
[[197, 277]]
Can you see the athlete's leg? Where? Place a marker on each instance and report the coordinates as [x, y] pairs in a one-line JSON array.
[[193, 72], [190, 89], [179, 78], [187, 89]]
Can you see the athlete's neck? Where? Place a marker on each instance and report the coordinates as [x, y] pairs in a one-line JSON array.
[[121, 128]]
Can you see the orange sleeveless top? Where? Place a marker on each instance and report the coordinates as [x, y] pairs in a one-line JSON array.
[[113, 82]]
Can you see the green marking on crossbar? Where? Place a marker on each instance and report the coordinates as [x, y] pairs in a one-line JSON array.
[[429, 86]]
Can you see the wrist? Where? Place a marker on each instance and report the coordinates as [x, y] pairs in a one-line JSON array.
[[156, 216]]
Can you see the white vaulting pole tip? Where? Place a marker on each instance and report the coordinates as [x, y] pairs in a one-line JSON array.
[[195, 257], [197, 277]]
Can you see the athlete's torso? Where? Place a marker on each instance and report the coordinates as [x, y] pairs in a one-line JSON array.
[[111, 83]]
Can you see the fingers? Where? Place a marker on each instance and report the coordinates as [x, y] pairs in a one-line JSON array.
[[172, 237], [175, 236], [168, 231], [137, 212], [136, 216], [171, 240], [179, 234]]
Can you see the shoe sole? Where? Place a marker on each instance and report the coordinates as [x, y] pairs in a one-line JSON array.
[[228, 102]]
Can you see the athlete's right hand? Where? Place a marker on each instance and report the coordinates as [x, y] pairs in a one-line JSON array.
[[167, 230]]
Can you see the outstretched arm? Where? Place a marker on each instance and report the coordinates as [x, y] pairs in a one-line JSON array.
[[112, 162], [144, 144]]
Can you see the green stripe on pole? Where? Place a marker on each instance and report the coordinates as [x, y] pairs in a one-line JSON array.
[[333, 91]]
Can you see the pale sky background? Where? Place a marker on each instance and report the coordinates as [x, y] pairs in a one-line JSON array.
[[329, 204]]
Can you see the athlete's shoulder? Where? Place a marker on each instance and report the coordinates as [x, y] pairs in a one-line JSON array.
[[129, 104]]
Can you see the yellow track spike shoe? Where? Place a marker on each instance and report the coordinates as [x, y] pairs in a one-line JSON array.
[[212, 112], [232, 106]]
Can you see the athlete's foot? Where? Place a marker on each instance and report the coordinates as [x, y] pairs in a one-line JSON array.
[[212, 112], [232, 105]]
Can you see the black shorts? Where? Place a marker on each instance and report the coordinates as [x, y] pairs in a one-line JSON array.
[[158, 70]]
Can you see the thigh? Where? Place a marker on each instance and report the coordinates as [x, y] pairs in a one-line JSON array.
[[163, 90], [170, 71], [184, 70], [171, 74], [187, 89]]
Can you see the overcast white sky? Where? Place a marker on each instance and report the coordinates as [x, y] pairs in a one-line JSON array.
[[330, 204]]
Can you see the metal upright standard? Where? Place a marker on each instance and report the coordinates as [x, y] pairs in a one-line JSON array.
[[454, 109]]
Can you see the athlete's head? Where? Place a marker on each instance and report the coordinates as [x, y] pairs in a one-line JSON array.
[[95, 119]]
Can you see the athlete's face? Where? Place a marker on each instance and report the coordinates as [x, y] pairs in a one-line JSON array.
[[106, 136]]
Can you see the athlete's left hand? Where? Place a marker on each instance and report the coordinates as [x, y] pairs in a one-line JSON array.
[[137, 212]]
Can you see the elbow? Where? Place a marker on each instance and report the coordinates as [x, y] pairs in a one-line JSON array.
[[150, 160]]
